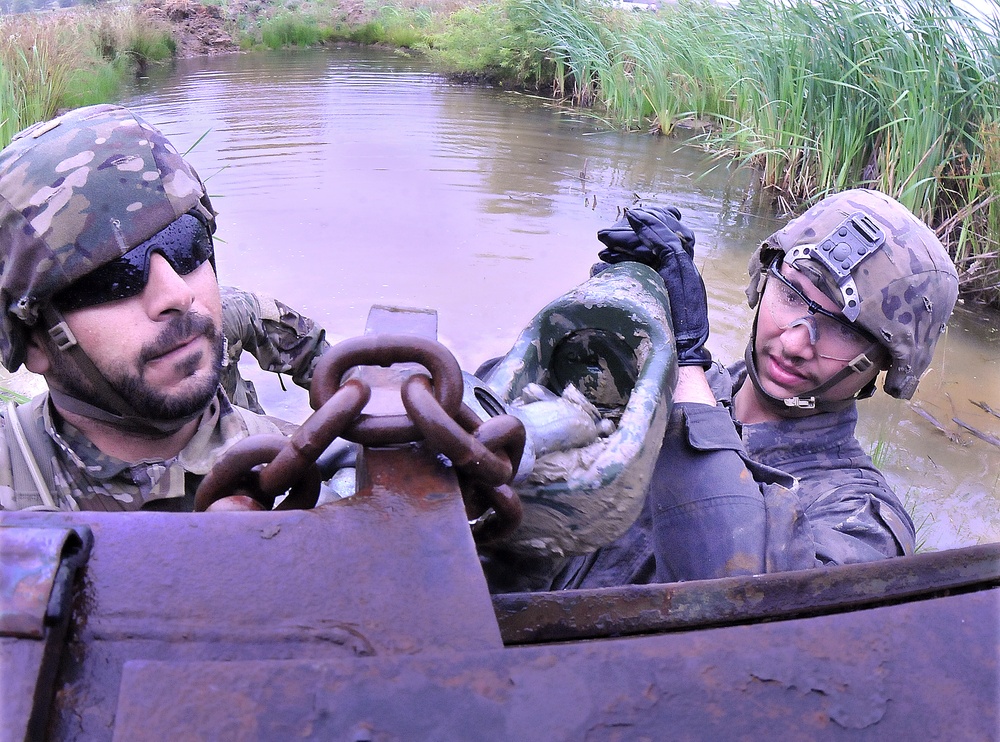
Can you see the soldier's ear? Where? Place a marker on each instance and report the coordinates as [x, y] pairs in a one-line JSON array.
[[36, 358]]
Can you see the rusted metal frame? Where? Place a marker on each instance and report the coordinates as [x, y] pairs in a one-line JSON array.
[[37, 571], [641, 609], [919, 670], [391, 570]]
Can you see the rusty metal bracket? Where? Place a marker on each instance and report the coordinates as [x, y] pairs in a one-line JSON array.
[[36, 576], [573, 615]]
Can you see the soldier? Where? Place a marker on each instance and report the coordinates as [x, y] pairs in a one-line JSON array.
[[760, 470], [109, 291]]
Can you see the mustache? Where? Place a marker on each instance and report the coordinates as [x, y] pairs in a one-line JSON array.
[[178, 330]]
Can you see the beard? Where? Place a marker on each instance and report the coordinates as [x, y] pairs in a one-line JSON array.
[[128, 380]]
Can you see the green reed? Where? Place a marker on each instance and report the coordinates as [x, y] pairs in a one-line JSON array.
[[819, 96], [53, 61], [288, 29]]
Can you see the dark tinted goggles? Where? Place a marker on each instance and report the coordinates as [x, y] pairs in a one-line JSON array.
[[185, 244]]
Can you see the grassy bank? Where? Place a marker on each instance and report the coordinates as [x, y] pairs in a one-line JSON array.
[[817, 96], [61, 59]]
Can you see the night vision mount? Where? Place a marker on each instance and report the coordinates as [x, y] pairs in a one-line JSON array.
[[840, 252]]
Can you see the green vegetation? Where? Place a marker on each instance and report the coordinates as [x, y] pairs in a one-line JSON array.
[[9, 395], [63, 59], [818, 96], [291, 30], [315, 23]]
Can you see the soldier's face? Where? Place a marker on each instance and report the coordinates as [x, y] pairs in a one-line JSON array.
[[161, 349], [790, 361]]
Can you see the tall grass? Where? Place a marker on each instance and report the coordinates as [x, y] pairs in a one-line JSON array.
[[818, 95], [288, 29], [60, 60]]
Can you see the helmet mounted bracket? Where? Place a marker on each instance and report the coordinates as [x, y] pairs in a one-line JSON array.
[[840, 252]]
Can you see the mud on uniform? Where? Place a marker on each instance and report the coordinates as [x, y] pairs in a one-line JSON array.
[[814, 499], [81, 477]]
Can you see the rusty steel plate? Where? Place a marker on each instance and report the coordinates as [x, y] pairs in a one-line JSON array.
[[379, 573], [921, 670], [28, 569]]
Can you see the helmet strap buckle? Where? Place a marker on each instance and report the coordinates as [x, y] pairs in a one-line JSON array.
[[860, 364], [809, 403], [62, 336]]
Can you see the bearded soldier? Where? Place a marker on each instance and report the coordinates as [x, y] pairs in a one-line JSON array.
[[108, 289]]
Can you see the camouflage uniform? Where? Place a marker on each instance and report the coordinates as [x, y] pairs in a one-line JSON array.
[[76, 193], [83, 478], [815, 500], [282, 340]]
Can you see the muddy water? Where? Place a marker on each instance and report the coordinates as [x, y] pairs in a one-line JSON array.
[[349, 178]]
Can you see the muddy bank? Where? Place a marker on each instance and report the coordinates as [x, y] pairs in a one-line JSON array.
[[197, 29]]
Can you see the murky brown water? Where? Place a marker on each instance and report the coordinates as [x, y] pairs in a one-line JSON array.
[[348, 178]]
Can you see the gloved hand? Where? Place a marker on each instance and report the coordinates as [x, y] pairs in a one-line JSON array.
[[655, 237]]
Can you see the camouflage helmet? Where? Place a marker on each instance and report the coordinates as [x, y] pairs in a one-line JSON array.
[[77, 192], [885, 268]]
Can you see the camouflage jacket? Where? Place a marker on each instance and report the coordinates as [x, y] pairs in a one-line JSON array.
[[80, 477], [727, 500], [282, 340]]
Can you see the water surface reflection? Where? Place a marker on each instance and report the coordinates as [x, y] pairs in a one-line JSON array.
[[347, 178]]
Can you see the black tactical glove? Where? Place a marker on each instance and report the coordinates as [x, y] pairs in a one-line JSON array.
[[655, 237]]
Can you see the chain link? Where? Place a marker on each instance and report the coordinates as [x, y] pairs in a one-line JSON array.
[[385, 350], [485, 453], [236, 474], [257, 470]]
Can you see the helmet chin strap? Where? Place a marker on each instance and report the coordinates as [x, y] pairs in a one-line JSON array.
[[808, 404], [108, 405]]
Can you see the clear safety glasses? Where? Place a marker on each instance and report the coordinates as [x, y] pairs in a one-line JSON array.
[[834, 337], [185, 244]]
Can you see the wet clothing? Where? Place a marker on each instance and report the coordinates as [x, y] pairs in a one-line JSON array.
[[282, 340], [79, 476], [727, 499]]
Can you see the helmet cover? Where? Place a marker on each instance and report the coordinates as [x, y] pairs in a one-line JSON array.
[[905, 288], [77, 192]]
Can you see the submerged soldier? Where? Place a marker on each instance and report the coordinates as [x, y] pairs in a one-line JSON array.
[[760, 470], [109, 291]]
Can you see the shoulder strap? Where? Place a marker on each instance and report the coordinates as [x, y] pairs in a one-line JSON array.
[[25, 468]]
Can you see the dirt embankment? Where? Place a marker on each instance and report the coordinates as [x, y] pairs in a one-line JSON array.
[[198, 29]]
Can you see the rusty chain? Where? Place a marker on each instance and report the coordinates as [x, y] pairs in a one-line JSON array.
[[385, 350], [257, 470], [486, 454]]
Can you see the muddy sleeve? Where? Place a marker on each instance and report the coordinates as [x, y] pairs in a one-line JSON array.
[[282, 340], [714, 512], [856, 518]]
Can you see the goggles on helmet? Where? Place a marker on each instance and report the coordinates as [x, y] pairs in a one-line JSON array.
[[833, 336], [185, 243]]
